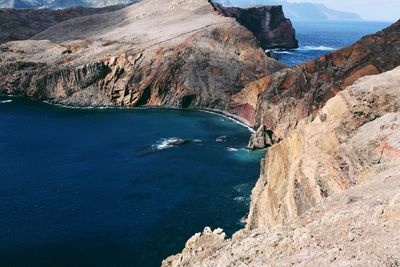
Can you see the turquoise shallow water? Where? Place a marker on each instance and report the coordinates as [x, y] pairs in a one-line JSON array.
[[82, 187]]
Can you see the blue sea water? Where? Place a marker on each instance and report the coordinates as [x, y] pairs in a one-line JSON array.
[[86, 187], [319, 38], [89, 187]]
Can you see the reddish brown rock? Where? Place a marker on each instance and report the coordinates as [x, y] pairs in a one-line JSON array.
[[178, 53], [267, 23], [22, 24], [295, 93]]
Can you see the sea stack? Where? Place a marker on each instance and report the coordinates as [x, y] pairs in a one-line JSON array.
[[267, 23]]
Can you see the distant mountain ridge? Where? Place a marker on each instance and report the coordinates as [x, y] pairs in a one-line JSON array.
[[299, 11], [294, 11], [58, 4]]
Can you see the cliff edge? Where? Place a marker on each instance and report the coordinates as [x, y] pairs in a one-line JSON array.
[[267, 23], [276, 103], [328, 194], [175, 53], [20, 24]]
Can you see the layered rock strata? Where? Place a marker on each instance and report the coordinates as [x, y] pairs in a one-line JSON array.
[[267, 23], [328, 194], [279, 101], [17, 24], [178, 53]]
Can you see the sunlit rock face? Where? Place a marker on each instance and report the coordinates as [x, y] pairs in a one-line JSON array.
[[59, 4], [267, 23], [280, 100], [156, 53], [332, 183]]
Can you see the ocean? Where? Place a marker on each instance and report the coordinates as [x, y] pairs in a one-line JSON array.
[[319, 38], [90, 187], [105, 187]]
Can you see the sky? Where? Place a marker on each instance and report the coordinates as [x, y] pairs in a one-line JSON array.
[[382, 10]]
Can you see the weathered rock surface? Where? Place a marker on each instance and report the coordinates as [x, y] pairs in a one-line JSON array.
[[177, 53], [329, 192], [267, 23], [279, 101], [24, 24], [59, 4]]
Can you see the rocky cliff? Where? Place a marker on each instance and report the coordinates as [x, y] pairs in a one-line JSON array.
[[267, 23], [328, 194], [332, 170], [276, 103], [59, 4], [24, 24], [178, 53]]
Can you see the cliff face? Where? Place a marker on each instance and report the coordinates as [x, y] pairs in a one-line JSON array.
[[332, 169], [59, 4], [169, 53], [24, 24], [352, 143], [350, 139], [276, 103], [267, 23]]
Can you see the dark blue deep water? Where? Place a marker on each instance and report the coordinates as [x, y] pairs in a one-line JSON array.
[[319, 38], [81, 187]]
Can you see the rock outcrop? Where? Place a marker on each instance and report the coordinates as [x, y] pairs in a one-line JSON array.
[[329, 192], [24, 24], [279, 101], [267, 23], [178, 53], [60, 4]]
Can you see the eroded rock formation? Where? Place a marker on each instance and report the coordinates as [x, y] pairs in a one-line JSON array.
[[24, 24], [177, 53], [267, 23], [279, 101], [329, 192]]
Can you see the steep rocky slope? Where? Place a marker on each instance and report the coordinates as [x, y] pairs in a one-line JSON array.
[[328, 194], [23, 24], [267, 23], [57, 4], [275, 103], [177, 53]]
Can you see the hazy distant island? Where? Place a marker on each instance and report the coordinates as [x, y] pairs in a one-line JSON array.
[[295, 11], [300, 11]]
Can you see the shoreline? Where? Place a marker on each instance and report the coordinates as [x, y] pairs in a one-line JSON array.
[[224, 114]]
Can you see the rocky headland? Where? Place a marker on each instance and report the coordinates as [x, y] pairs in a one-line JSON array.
[[22, 24], [267, 23], [176, 53], [276, 103], [332, 169], [328, 193]]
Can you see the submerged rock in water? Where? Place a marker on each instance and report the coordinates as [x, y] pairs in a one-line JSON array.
[[163, 144], [178, 142], [222, 138]]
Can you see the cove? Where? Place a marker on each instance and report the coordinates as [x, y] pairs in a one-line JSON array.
[[90, 187]]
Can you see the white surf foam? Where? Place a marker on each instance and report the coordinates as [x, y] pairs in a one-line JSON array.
[[166, 143], [283, 52], [315, 48], [232, 149], [5, 101]]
